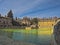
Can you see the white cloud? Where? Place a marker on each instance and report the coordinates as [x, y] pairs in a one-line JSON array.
[[25, 6]]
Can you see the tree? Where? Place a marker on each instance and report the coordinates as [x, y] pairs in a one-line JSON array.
[[34, 21], [0, 15], [10, 14]]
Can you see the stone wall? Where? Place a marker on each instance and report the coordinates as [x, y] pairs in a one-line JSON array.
[[5, 22]]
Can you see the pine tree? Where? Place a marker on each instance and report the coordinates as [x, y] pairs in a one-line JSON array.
[[10, 14]]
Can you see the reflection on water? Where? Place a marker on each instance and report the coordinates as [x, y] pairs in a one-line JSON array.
[[32, 38]]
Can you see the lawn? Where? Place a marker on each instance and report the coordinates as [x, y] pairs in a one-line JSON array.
[[44, 31]]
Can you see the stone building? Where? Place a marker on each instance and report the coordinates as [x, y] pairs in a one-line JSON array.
[[26, 21], [9, 21], [5, 22], [47, 22]]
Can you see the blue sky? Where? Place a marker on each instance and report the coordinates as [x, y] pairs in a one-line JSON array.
[[31, 8]]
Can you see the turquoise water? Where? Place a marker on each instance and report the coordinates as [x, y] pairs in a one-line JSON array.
[[32, 38], [39, 39]]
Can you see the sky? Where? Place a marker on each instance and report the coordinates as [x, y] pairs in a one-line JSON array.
[[30, 8]]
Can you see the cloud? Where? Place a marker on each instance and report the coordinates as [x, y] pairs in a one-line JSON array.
[[42, 7], [32, 11], [29, 7]]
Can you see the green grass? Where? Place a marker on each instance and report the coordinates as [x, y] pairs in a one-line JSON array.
[[33, 31]]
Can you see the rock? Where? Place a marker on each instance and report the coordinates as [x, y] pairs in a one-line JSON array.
[[57, 33]]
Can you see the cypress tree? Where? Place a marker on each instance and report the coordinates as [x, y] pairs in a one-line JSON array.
[[10, 14]]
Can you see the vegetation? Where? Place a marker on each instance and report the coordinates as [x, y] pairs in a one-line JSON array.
[[33, 31], [34, 21], [10, 14]]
